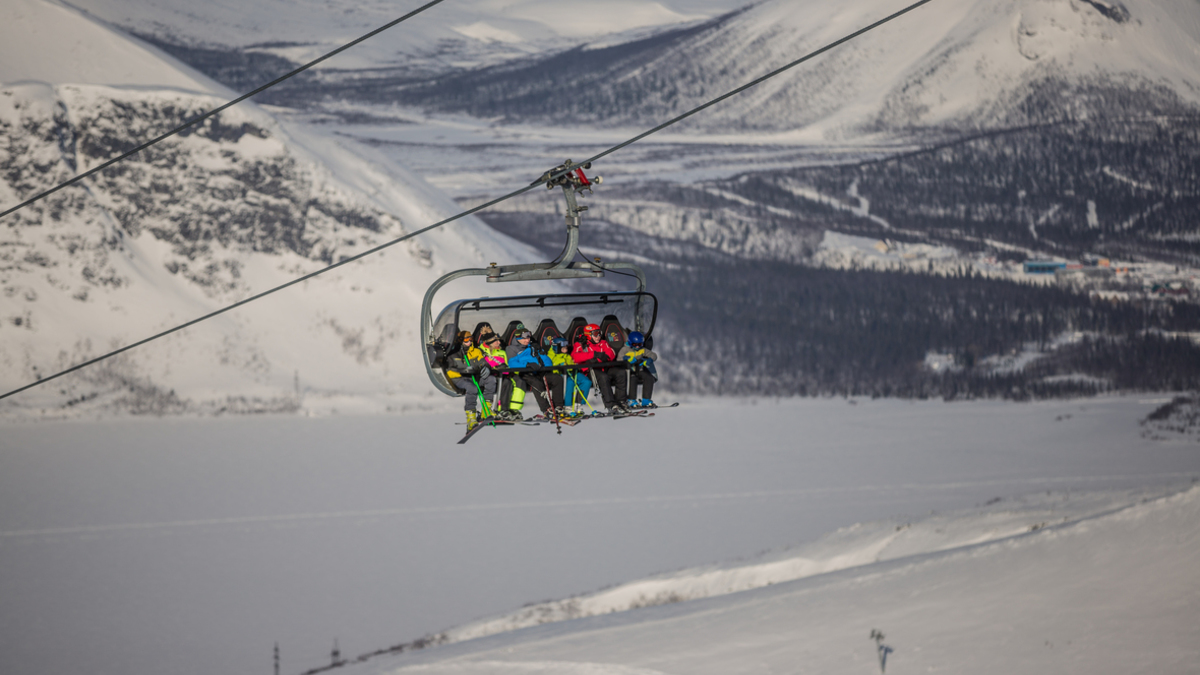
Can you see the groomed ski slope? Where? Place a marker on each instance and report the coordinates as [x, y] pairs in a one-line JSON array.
[[1092, 583], [192, 546]]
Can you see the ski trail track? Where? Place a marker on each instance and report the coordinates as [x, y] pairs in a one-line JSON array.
[[632, 502]]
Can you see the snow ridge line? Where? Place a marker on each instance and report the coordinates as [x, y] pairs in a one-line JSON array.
[[619, 501]]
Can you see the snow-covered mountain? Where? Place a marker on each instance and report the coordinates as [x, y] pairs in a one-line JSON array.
[[454, 34], [974, 64], [201, 220]]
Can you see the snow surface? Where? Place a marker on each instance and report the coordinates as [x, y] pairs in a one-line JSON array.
[[191, 546], [48, 41], [1112, 592]]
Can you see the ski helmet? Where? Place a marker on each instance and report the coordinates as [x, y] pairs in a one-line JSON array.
[[464, 336], [590, 330], [559, 343], [524, 334], [636, 338]]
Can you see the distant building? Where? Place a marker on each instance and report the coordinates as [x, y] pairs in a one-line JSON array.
[[1043, 266]]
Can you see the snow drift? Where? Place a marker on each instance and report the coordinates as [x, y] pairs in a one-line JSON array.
[[1101, 582]]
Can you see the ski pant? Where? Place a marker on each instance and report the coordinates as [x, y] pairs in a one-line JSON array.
[[512, 396], [608, 378], [643, 377], [536, 382], [577, 386], [486, 382]]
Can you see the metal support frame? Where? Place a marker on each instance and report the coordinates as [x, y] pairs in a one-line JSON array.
[[561, 267]]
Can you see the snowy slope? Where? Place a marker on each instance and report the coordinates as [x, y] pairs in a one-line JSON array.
[[1101, 583], [973, 63], [50, 42], [453, 33], [199, 221]]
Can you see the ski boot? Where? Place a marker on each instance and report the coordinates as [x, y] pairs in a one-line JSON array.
[[647, 403], [472, 419]]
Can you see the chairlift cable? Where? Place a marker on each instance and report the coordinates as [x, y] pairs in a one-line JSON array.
[[550, 176], [203, 116]]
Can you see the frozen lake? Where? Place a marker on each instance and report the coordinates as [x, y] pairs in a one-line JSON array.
[[192, 546]]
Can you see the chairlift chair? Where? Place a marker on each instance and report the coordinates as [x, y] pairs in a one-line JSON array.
[[543, 314]]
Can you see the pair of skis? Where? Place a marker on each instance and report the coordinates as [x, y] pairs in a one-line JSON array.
[[642, 412], [493, 422], [569, 421]]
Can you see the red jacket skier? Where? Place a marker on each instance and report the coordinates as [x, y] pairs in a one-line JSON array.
[[593, 348]]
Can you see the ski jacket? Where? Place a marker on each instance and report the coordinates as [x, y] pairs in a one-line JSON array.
[[560, 359], [457, 365], [634, 356], [494, 357], [528, 356], [592, 351]]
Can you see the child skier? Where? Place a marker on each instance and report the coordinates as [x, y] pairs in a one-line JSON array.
[[511, 397], [577, 384], [641, 370]]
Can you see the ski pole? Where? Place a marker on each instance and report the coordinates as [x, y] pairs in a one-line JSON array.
[[578, 390], [550, 403]]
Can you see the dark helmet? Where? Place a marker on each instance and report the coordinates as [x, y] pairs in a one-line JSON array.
[[636, 338], [523, 333]]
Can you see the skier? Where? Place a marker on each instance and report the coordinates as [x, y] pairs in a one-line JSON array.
[[512, 399], [577, 384], [523, 354], [468, 371], [641, 370], [594, 349]]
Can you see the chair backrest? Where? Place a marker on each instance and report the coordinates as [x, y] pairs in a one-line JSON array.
[[575, 330], [546, 331], [479, 329], [613, 333], [513, 327]]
